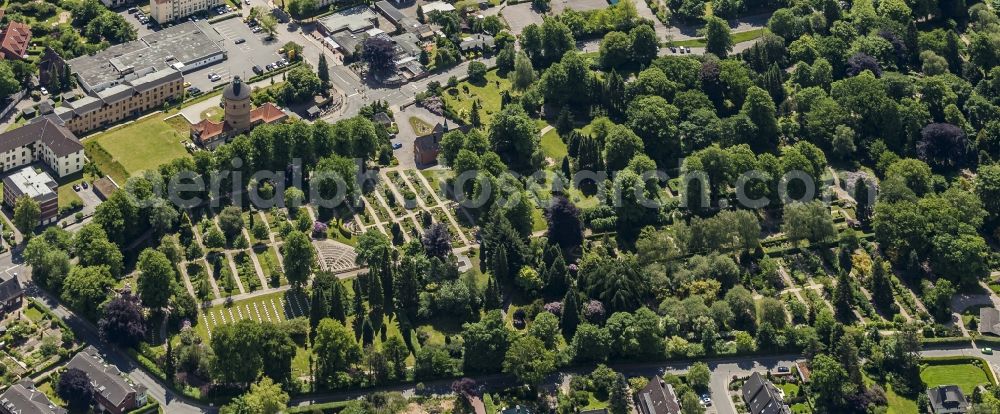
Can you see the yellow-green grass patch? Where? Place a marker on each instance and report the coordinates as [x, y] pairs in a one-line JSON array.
[[460, 98], [142, 145]]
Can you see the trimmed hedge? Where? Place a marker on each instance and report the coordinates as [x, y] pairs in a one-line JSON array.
[[949, 340], [990, 340], [151, 407]]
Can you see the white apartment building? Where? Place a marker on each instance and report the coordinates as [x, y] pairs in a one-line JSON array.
[[46, 141], [169, 10]]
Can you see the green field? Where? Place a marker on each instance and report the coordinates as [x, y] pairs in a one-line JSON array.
[[554, 147], [460, 98], [142, 145], [899, 404], [964, 374], [738, 37]]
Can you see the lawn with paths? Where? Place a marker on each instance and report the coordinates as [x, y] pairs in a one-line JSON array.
[[274, 307]]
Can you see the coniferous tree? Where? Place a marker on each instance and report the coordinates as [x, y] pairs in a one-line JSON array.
[[170, 368], [881, 286], [367, 332], [616, 97], [843, 298], [492, 297], [323, 71], [359, 312], [500, 266], [317, 310], [618, 403], [474, 118], [338, 309], [375, 295], [564, 123], [185, 228], [570, 314], [558, 277]]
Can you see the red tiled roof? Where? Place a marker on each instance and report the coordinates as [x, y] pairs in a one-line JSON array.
[[15, 40], [267, 113], [207, 130]]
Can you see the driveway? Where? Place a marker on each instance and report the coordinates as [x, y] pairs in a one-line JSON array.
[[407, 135]]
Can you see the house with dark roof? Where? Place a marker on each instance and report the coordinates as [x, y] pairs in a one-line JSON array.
[[391, 13], [11, 293], [24, 398], [478, 42], [14, 40], [658, 397], [43, 139], [112, 391], [947, 399], [427, 147], [762, 396]]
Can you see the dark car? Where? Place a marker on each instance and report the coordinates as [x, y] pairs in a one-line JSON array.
[[241, 41], [397, 146], [194, 90], [84, 184], [258, 70]]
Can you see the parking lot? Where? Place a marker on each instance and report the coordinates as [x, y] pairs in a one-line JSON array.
[[241, 58]]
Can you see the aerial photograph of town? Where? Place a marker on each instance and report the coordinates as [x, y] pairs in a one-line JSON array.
[[500, 206]]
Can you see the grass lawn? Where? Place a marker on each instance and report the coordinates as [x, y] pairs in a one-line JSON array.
[[899, 404], [964, 374], [214, 113], [554, 147], [460, 98], [142, 145], [420, 127], [33, 313], [738, 37], [538, 222], [46, 388]]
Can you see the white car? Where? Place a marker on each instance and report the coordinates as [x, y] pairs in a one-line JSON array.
[[43, 90]]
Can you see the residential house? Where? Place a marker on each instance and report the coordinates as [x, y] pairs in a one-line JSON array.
[[112, 391], [36, 185], [45, 140], [477, 42], [947, 399], [164, 11], [11, 293], [14, 40], [762, 397], [658, 397], [989, 321], [24, 398]]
